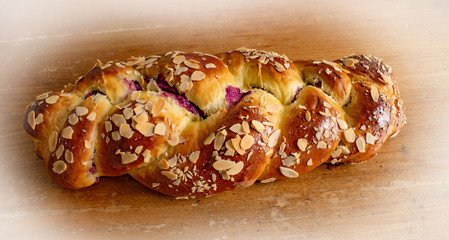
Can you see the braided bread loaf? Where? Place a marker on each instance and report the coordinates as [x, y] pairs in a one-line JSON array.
[[194, 124]]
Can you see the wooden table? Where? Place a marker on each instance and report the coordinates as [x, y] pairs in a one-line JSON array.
[[403, 193]]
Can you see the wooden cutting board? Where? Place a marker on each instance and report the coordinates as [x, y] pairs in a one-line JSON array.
[[403, 193]]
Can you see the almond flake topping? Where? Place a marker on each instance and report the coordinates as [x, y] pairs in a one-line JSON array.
[[309, 162], [126, 131], [163, 164], [116, 136], [81, 110], [258, 126], [193, 157], [128, 113], [52, 141], [51, 100], [210, 66], [198, 76], [179, 59], [235, 169], [209, 139], [308, 116], [342, 124], [67, 132], [221, 164], [344, 150], [348, 62], [274, 137], [191, 64], [169, 175], [290, 173], [73, 119], [279, 67], [328, 71], [326, 104], [245, 127], [59, 151], [321, 145], [185, 84], [138, 149], [158, 106], [68, 156], [219, 140], [374, 93], [173, 139], [268, 180], [349, 135], [302, 144], [39, 119], [236, 128], [289, 161], [247, 142], [59, 167], [159, 129], [370, 139], [336, 153], [360, 142], [146, 154], [128, 157], [32, 120], [91, 117], [118, 119]]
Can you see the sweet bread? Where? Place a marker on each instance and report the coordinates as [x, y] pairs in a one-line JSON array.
[[195, 124]]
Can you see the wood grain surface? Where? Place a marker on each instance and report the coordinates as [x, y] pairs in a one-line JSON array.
[[403, 193]]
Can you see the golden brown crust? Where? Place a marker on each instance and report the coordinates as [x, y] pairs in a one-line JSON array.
[[194, 124]]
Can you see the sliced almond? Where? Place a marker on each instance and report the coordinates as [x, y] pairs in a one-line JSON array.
[[91, 117], [348, 62], [170, 175], [321, 145], [51, 100], [370, 139], [146, 154], [141, 118], [59, 167], [274, 137], [159, 129], [59, 151], [180, 70], [118, 119], [68, 156], [309, 162], [145, 128], [73, 119], [289, 161], [116, 136], [235, 169], [349, 135], [158, 106], [208, 140], [173, 139], [67, 133], [128, 113], [247, 142], [39, 118], [374, 93], [236, 144], [138, 149], [191, 64], [149, 106], [308, 116], [268, 180], [344, 150], [179, 59], [32, 120], [163, 164], [185, 84], [290, 173], [193, 157], [279, 67], [81, 110], [258, 126], [245, 127], [342, 124], [128, 157], [336, 153], [198, 76], [360, 143], [236, 128], [52, 141], [210, 66], [219, 140], [221, 164], [126, 131]]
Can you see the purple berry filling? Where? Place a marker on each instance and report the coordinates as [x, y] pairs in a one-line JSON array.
[[233, 96], [93, 93], [318, 83], [172, 92], [93, 169], [133, 85]]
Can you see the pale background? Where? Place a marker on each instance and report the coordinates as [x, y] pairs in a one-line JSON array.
[[403, 193]]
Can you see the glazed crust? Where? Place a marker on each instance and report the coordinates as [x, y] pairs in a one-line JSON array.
[[194, 124]]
